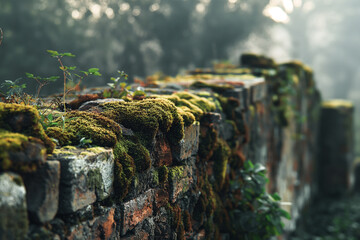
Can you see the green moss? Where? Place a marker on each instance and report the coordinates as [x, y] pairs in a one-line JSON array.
[[163, 173], [11, 143], [257, 61], [130, 157], [78, 124], [94, 181], [204, 104], [147, 117], [124, 170], [176, 172], [140, 155], [25, 120], [187, 115], [218, 88], [220, 157], [155, 177]]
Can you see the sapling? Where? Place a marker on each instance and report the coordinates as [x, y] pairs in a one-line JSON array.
[[69, 73]]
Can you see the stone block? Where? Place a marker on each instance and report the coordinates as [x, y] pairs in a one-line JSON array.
[[189, 145], [86, 176], [162, 152], [180, 178], [42, 191], [94, 104], [161, 198], [13, 213], [239, 94], [102, 227], [258, 92], [162, 224], [137, 210]]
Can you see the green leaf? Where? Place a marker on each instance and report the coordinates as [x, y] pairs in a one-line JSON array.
[[276, 197], [72, 68], [67, 54], [122, 85], [53, 53], [29, 75], [93, 70], [259, 168], [112, 85], [53, 78], [285, 214]]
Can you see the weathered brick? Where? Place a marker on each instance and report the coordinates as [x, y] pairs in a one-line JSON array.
[[161, 198], [86, 176], [102, 227], [181, 178], [162, 151], [13, 214], [42, 191], [137, 210], [189, 145]]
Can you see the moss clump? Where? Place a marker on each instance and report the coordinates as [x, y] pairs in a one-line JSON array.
[[187, 115], [176, 172], [130, 157], [254, 60], [140, 155], [218, 88], [11, 144], [220, 157], [163, 173], [147, 117], [124, 170], [204, 104], [78, 124], [25, 120]]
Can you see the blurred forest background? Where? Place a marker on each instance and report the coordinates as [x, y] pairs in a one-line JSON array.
[[142, 37]]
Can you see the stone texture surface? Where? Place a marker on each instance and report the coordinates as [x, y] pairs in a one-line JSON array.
[[42, 191], [102, 227], [181, 178], [137, 210], [93, 104], [162, 154], [13, 213], [189, 145], [86, 176]]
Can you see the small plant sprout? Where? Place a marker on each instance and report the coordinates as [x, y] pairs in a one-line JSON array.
[[116, 84], [41, 81], [118, 88], [72, 80], [14, 87]]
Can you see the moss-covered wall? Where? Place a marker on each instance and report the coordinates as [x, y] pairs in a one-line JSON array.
[[166, 166]]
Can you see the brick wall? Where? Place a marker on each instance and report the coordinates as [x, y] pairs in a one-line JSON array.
[[261, 111]]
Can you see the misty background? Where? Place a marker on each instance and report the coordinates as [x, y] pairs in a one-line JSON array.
[[142, 37]]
